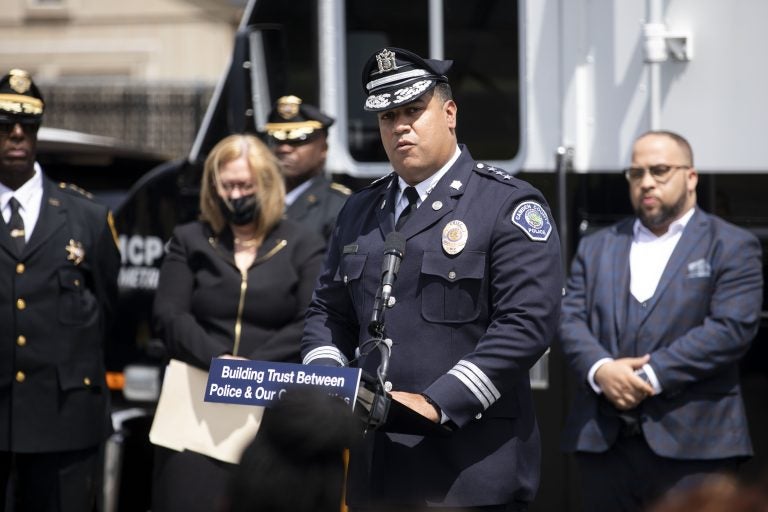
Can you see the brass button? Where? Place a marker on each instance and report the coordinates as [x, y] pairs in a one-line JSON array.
[[20, 268], [21, 304], [77, 282], [20, 377], [451, 275], [21, 340], [87, 381]]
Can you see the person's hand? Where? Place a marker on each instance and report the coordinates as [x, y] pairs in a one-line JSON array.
[[418, 403], [621, 386]]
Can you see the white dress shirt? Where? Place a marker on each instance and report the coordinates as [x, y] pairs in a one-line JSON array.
[[423, 188], [29, 196]]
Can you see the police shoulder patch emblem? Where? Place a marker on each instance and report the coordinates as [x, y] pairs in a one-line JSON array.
[[533, 220]]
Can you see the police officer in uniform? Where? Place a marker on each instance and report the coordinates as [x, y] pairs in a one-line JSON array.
[[58, 284], [297, 133], [477, 302]]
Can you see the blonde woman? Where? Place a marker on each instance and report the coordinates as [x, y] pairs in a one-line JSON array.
[[235, 283]]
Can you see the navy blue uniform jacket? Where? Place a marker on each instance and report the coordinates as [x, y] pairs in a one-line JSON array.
[[55, 302], [466, 329], [705, 314]]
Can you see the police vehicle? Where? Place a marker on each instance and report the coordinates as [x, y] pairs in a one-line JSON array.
[[552, 90]]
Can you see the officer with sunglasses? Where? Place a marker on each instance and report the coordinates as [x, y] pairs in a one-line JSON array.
[[658, 311], [58, 285], [297, 134]]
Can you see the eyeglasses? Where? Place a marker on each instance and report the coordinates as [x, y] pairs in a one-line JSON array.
[[28, 124], [660, 173], [244, 188]]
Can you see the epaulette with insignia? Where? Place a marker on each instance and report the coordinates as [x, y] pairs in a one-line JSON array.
[[380, 180], [338, 187], [494, 172], [75, 188]]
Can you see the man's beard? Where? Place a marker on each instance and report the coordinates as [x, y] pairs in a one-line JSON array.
[[664, 216]]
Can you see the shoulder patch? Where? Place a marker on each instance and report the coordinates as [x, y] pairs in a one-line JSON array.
[[74, 188], [533, 220], [493, 172], [338, 187]]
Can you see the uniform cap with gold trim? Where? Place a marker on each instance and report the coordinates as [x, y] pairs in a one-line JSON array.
[[19, 96], [293, 120], [393, 77]]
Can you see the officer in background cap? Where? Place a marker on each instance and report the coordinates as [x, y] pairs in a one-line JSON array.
[[477, 302], [58, 275], [297, 133]]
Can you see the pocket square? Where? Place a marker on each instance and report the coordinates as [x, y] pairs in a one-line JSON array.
[[699, 268]]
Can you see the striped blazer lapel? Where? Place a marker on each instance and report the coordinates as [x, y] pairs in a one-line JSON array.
[[692, 234]]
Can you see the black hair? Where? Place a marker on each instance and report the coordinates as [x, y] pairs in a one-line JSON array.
[[296, 461]]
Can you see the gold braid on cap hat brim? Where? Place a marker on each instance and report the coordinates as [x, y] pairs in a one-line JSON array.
[[288, 131], [20, 104]]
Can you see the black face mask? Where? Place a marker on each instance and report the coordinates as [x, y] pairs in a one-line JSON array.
[[240, 211]]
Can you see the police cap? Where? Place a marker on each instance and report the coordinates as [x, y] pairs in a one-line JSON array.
[[19, 96], [292, 120], [394, 77]]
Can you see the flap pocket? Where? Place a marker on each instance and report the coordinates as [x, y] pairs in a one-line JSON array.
[[79, 376], [451, 288], [467, 265], [351, 267], [71, 279]]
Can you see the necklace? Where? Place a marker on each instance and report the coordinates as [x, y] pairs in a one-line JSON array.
[[251, 242]]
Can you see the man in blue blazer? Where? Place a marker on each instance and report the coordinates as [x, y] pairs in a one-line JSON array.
[[658, 311], [478, 298]]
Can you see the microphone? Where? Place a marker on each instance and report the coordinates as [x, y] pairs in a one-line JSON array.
[[394, 250]]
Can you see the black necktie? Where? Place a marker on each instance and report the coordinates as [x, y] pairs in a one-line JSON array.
[[16, 225], [412, 196]]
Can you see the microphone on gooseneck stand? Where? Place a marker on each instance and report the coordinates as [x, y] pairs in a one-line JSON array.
[[394, 251]]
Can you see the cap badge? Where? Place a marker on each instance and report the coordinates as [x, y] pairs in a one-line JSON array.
[[75, 252], [19, 81], [288, 106], [455, 236], [385, 59], [533, 220]]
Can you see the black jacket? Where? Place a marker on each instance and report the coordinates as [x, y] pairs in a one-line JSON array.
[[197, 299], [319, 205], [54, 310]]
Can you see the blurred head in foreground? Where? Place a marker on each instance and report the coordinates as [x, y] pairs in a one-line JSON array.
[[296, 461]]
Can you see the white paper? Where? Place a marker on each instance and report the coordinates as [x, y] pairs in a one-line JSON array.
[[184, 421]]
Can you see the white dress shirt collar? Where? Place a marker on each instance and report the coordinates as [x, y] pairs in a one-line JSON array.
[[29, 196], [426, 186]]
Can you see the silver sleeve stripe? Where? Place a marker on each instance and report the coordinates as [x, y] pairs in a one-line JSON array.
[[325, 352], [476, 381], [394, 78]]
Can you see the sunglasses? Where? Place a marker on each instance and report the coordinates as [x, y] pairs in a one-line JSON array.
[[660, 173], [30, 125]]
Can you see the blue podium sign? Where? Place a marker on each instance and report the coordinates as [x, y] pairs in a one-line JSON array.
[[237, 381]]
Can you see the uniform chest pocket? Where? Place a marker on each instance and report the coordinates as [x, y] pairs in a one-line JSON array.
[[77, 305], [451, 288], [350, 273]]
